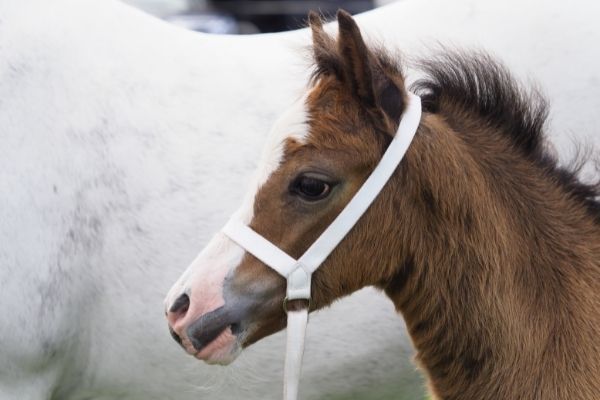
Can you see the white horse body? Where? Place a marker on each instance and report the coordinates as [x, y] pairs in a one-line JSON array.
[[122, 140]]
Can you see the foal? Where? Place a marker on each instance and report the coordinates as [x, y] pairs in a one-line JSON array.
[[488, 249]]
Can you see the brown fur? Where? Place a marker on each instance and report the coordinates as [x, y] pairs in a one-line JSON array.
[[489, 251]]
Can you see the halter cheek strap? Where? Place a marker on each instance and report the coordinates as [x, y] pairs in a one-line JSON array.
[[298, 273]]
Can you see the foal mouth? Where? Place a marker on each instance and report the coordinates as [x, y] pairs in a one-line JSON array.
[[210, 327]]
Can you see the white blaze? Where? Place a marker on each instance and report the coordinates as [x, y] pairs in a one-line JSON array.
[[292, 124]]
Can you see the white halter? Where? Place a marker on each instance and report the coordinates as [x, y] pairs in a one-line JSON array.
[[298, 272]]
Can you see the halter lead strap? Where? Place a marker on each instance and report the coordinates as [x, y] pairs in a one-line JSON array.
[[298, 272]]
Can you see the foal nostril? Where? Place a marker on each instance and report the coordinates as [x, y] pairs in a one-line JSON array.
[[178, 309], [176, 314], [181, 305]]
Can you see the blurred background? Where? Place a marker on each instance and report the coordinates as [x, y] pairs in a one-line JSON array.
[[247, 16]]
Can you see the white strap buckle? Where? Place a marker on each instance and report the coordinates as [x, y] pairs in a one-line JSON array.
[[298, 283]]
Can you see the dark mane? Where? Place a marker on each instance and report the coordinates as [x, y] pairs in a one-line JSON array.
[[478, 84]]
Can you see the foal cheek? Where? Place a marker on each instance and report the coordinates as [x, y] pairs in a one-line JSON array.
[[260, 291], [256, 282]]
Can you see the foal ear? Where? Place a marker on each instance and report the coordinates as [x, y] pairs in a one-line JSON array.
[[375, 86], [323, 46], [315, 23], [356, 64]]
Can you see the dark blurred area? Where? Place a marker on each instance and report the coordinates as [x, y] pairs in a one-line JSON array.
[[246, 16], [283, 15]]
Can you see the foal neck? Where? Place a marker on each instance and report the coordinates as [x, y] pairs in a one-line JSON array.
[[500, 289]]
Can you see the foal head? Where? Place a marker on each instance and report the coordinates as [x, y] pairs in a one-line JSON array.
[[320, 153]]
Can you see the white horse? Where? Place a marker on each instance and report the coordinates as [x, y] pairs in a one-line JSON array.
[[122, 142]]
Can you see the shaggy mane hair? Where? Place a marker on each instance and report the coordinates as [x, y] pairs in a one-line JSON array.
[[478, 84]]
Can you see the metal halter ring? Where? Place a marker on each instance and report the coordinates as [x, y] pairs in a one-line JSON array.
[[285, 302]]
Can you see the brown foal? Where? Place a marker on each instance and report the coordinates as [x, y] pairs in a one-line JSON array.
[[488, 249]]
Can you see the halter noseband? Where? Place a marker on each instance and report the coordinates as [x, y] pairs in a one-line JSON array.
[[298, 273]]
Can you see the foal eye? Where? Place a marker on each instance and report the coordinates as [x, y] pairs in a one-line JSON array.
[[311, 189]]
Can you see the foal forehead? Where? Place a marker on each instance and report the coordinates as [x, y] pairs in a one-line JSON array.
[[310, 120], [292, 124]]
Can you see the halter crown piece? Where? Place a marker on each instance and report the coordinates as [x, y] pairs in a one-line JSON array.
[[298, 272]]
